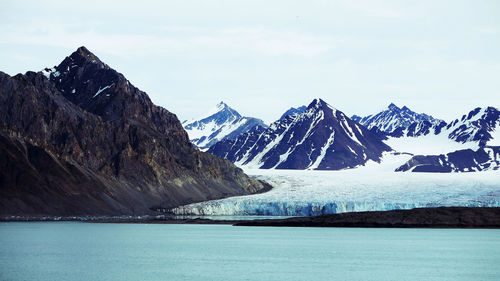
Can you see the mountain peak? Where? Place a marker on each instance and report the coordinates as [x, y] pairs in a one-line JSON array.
[[321, 105], [219, 108], [317, 102], [392, 106], [221, 105], [84, 51], [81, 57], [97, 88], [219, 123]]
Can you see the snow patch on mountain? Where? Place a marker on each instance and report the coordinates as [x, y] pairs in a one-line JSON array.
[[495, 136], [221, 122], [428, 144]]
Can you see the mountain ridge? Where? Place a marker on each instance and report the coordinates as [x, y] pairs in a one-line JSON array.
[[319, 138], [394, 118]]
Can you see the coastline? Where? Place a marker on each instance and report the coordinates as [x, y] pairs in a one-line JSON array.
[[439, 217]]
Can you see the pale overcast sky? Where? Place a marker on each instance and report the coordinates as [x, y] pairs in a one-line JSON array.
[[261, 57]]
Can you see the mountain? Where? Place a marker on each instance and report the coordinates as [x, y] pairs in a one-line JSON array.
[[466, 160], [221, 123], [294, 111], [319, 138], [479, 129], [395, 118], [85, 141], [480, 125]]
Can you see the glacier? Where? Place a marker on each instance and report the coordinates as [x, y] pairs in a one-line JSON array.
[[372, 187]]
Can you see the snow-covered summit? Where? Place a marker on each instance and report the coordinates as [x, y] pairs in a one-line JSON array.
[[480, 125], [223, 113], [477, 128], [394, 118], [221, 122], [469, 143], [321, 137]]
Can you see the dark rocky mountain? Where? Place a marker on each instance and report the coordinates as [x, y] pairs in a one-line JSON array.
[[319, 138], [87, 142], [479, 125], [221, 123], [467, 160], [479, 128], [395, 118], [416, 129], [294, 111]]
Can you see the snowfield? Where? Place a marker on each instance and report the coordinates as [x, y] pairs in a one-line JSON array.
[[373, 187], [428, 145]]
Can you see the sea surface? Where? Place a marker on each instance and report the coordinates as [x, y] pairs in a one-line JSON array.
[[95, 251]]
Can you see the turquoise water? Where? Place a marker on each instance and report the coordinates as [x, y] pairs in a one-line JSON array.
[[88, 251]]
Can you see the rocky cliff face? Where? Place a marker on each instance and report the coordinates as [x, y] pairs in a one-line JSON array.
[[87, 142]]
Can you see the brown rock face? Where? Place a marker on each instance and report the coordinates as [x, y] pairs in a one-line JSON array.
[[87, 142]]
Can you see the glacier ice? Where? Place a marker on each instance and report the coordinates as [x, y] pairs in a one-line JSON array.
[[373, 187]]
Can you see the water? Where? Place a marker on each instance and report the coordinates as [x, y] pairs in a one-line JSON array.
[[88, 251]]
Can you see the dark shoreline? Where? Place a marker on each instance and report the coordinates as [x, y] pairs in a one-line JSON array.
[[440, 217]]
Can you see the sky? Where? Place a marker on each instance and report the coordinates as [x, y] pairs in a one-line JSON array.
[[262, 57]]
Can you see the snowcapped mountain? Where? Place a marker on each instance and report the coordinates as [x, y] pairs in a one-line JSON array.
[[478, 128], [395, 118], [467, 144], [466, 160], [222, 122], [321, 137], [480, 125], [294, 111]]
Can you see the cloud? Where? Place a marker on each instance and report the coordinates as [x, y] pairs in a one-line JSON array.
[[173, 39], [489, 30]]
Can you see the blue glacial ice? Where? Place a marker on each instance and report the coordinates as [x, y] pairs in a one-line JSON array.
[[307, 193]]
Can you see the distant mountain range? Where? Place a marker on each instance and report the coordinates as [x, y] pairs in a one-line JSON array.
[[321, 137], [222, 122], [476, 126], [297, 141], [466, 160], [394, 118]]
